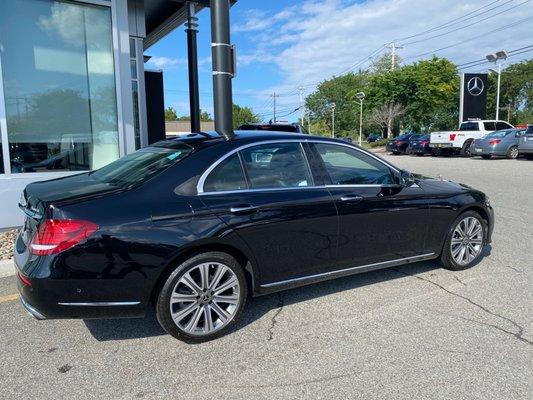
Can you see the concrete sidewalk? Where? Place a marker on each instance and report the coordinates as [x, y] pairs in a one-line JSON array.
[[7, 268]]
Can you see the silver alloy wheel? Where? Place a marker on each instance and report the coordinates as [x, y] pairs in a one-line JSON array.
[[467, 240], [514, 152], [205, 298]]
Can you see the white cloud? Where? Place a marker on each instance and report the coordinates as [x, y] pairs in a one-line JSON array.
[[165, 62], [318, 39]]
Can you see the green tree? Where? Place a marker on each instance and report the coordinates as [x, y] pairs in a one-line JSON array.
[[516, 96], [170, 114], [243, 115], [341, 91]]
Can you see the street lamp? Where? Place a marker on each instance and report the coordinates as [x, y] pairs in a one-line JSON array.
[[361, 97], [332, 106], [495, 58]]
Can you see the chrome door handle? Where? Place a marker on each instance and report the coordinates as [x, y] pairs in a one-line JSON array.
[[351, 198], [243, 209]]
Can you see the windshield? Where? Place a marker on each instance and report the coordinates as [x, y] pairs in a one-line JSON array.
[[142, 165], [498, 134]]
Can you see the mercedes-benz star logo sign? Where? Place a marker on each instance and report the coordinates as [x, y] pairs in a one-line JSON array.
[[475, 86]]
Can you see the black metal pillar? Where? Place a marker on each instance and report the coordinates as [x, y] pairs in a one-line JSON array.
[[192, 50], [223, 67]]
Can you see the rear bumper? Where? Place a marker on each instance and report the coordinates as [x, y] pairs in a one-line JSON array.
[[31, 310], [441, 145], [478, 151]]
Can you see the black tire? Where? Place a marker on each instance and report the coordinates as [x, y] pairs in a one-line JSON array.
[[486, 156], [446, 258], [396, 153], [420, 154], [512, 153], [163, 305], [465, 150]]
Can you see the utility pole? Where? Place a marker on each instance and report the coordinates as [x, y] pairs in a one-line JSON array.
[[275, 96], [333, 105], [393, 48], [301, 90], [309, 122]]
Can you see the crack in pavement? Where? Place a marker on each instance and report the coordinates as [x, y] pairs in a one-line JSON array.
[[513, 268], [273, 321], [518, 335], [460, 281]]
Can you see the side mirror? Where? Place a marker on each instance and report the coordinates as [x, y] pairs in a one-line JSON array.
[[407, 179], [517, 135]]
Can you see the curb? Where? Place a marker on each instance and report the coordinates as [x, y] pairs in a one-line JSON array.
[[7, 268]]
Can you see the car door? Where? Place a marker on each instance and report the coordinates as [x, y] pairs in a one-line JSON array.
[[379, 220], [267, 195]]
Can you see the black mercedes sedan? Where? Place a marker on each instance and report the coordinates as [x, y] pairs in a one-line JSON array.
[[194, 226]]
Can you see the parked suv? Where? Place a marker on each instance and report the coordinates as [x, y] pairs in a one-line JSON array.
[[458, 142], [525, 146]]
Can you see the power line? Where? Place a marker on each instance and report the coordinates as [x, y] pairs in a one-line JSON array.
[[449, 23], [467, 26], [470, 39], [485, 61]]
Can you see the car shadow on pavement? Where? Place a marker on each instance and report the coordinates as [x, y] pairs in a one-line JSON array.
[[256, 308]]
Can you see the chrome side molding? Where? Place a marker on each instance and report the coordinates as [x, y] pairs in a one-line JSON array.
[[348, 271], [102, 304]]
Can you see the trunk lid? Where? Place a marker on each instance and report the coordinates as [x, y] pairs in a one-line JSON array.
[[440, 137]]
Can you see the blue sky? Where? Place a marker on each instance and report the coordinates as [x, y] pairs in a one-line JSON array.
[[285, 44]]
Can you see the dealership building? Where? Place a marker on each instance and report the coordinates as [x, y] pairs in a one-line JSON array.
[[74, 94]]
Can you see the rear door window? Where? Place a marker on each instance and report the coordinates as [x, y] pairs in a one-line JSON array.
[[490, 126], [276, 165]]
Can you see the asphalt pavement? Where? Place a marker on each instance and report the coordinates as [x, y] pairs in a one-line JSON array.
[[413, 332]]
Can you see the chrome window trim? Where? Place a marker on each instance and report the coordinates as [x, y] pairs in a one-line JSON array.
[[203, 177], [420, 257]]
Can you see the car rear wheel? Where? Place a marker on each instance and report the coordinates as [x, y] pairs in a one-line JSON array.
[[465, 242], [202, 298], [512, 153]]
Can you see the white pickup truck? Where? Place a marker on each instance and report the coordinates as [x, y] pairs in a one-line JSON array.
[[459, 141]]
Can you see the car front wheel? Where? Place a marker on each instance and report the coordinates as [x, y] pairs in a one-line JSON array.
[[202, 298], [465, 242]]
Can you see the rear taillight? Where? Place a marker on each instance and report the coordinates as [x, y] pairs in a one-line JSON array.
[[424, 142], [452, 136], [494, 141], [57, 235], [399, 143], [24, 279]]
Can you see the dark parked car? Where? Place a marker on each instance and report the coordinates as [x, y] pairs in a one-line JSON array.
[[374, 138], [193, 226], [399, 144], [419, 145], [274, 127]]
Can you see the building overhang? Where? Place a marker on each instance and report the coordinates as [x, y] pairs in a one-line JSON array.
[[163, 16]]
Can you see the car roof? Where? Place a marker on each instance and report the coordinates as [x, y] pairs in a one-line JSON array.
[[207, 139]]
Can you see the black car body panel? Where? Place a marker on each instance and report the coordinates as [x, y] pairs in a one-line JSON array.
[[292, 237], [419, 145]]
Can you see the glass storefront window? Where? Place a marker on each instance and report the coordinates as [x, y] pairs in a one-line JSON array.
[[59, 85]]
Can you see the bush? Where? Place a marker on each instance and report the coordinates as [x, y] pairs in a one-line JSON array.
[[379, 143]]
